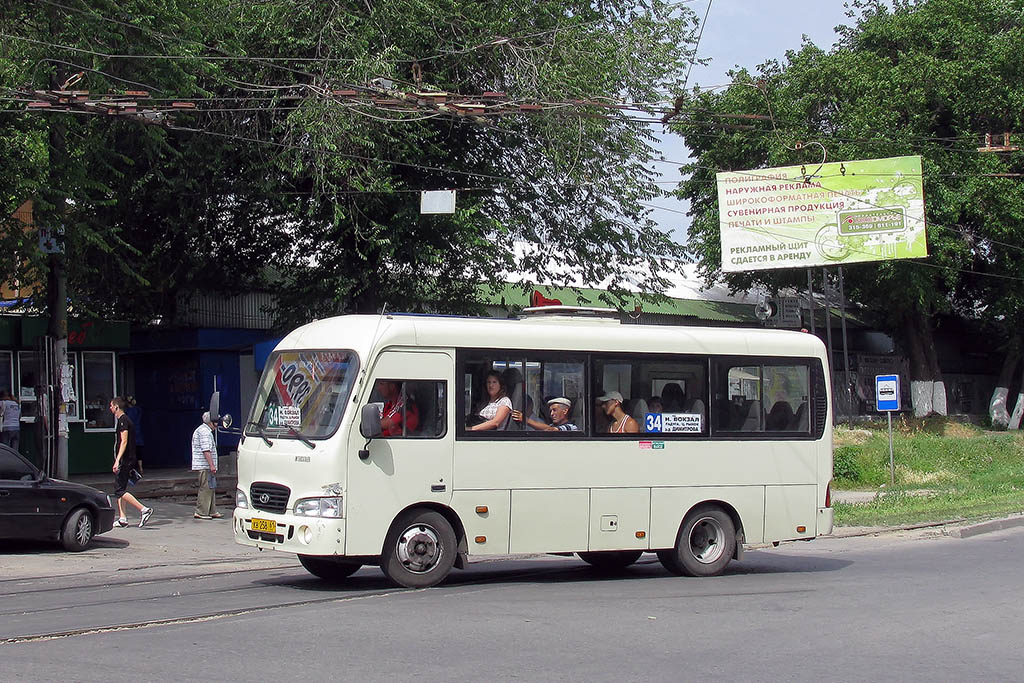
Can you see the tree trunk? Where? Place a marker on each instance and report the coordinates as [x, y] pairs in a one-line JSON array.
[[927, 390], [998, 410], [1018, 408]]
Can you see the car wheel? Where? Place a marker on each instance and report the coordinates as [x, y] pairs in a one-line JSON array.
[[78, 530], [329, 568], [420, 549], [705, 545], [611, 560]]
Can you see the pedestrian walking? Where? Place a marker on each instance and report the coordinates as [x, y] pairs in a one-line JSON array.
[[125, 463], [204, 461], [134, 413], [10, 420]]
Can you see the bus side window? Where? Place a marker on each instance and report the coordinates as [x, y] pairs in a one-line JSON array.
[[786, 388], [411, 408], [740, 386], [430, 399]]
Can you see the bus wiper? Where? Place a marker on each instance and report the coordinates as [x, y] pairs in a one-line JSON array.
[[259, 430], [300, 437]]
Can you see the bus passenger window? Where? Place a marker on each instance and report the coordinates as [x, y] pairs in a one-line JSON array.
[[494, 389], [661, 394], [557, 388], [741, 411], [786, 389]]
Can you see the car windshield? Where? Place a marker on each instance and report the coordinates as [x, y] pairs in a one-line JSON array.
[[303, 394]]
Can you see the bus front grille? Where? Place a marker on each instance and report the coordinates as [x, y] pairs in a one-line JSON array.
[[269, 497]]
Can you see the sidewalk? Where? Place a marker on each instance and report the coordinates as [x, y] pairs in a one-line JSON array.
[[163, 483], [171, 544]]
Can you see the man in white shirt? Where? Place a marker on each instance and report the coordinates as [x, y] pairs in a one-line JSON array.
[[204, 461]]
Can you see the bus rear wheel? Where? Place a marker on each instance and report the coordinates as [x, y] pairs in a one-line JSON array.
[[611, 560], [328, 568], [705, 545], [420, 549]]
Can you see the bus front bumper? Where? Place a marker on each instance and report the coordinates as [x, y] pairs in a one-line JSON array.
[[289, 533]]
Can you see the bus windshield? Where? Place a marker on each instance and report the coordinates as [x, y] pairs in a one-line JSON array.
[[303, 394]]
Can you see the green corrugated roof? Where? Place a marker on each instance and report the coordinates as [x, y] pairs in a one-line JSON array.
[[514, 296]]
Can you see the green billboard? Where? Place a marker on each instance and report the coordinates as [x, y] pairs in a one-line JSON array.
[[802, 216]]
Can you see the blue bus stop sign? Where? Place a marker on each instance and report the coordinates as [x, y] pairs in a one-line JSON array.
[[887, 392]]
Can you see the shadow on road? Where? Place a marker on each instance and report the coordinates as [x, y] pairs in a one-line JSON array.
[[553, 572], [24, 547]]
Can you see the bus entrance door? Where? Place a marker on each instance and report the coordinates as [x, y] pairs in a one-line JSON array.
[[412, 465]]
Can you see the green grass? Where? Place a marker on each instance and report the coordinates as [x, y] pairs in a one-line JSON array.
[[944, 470]]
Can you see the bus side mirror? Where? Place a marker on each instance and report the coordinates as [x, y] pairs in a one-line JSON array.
[[369, 421], [369, 427], [215, 407]]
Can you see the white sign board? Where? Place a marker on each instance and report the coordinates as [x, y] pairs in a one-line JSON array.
[[437, 201], [289, 416], [676, 423]]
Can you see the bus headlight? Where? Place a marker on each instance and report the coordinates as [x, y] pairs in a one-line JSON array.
[[319, 507], [240, 500]]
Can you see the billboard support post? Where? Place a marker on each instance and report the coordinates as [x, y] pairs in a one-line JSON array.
[[828, 326], [846, 352], [810, 299]]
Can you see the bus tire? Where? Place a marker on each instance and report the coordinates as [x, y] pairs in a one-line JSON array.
[[611, 560], [328, 568], [419, 550], [705, 545]]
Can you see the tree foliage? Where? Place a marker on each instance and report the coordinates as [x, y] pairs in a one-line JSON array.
[[907, 77], [276, 181]]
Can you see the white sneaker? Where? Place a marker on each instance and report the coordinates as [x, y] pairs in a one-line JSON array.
[[146, 514]]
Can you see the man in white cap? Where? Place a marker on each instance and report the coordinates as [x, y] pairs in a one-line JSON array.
[[204, 461], [558, 412], [621, 423]]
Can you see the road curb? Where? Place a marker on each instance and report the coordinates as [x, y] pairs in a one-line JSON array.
[[959, 530], [988, 527]]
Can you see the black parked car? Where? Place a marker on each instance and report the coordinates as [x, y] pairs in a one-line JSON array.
[[34, 506]]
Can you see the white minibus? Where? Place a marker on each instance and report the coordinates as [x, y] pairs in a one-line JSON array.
[[414, 442]]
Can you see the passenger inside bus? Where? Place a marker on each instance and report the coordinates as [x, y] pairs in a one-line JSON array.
[[400, 416], [619, 421], [496, 410], [672, 397], [559, 412]]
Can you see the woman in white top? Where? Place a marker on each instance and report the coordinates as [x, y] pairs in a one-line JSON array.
[[499, 405]]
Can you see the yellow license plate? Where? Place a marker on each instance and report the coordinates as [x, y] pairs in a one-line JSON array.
[[267, 525]]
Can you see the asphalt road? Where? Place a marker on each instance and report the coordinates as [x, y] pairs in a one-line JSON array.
[[912, 606]]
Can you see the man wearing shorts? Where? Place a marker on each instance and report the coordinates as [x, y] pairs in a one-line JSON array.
[[124, 462]]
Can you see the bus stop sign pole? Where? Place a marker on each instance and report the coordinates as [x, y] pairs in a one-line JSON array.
[[887, 399]]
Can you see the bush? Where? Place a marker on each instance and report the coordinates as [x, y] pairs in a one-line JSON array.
[[845, 465]]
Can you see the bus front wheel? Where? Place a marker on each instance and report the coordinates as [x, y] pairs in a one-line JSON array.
[[328, 568], [611, 560], [420, 549], [706, 543]]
